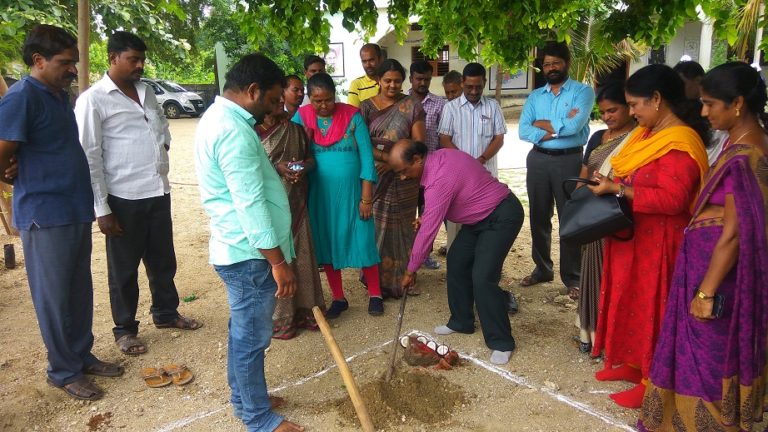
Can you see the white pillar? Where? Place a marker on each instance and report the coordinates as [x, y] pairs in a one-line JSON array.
[[705, 39], [705, 44]]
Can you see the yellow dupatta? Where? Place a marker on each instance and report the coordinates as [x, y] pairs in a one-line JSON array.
[[639, 151]]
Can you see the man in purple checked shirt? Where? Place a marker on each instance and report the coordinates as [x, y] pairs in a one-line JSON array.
[[491, 217]]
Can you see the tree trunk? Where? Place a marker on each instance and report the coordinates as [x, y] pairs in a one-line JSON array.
[[6, 210], [499, 79], [83, 33]]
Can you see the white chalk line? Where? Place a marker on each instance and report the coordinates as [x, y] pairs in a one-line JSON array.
[[201, 415], [507, 375], [330, 368], [185, 421]]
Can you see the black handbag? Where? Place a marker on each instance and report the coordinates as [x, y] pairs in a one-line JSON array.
[[587, 217]]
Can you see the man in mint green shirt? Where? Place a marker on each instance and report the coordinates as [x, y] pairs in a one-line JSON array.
[[251, 244]]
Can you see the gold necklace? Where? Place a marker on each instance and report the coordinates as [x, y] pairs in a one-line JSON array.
[[609, 134], [661, 125], [736, 141]]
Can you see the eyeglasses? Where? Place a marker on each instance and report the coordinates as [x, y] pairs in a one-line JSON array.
[[555, 63]]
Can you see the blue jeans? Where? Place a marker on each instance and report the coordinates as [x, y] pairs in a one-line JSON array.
[[251, 294]]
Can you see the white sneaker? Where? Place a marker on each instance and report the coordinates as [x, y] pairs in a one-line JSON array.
[[444, 330]]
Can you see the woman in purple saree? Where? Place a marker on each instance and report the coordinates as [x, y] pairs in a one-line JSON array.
[[708, 374]]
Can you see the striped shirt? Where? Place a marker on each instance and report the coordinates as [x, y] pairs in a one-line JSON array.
[[433, 107], [466, 199], [361, 89], [472, 127], [542, 104]]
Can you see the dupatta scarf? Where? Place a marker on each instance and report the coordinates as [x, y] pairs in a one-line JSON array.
[[640, 149], [342, 116]]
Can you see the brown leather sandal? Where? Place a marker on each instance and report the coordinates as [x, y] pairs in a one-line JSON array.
[[104, 369], [155, 377], [131, 345], [573, 292], [182, 323], [531, 280], [82, 389], [179, 374]]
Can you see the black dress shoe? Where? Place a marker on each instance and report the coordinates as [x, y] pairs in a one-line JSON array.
[[337, 307], [376, 306], [512, 306]]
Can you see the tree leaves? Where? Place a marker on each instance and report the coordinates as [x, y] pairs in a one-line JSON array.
[[493, 31]]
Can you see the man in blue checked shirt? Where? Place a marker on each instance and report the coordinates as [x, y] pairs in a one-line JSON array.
[[555, 119]]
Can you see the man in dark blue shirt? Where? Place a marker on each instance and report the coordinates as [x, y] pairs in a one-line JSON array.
[[53, 208]]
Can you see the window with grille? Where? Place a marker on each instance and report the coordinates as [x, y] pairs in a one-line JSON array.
[[440, 64]]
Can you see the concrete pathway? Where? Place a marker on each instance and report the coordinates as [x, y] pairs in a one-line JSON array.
[[514, 151]]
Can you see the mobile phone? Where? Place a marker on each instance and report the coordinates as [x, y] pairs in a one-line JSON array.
[[295, 166], [717, 306]]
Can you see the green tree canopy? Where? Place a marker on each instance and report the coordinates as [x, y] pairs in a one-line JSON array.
[[165, 25], [494, 31]]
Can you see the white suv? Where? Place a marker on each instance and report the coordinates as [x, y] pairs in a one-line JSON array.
[[175, 99]]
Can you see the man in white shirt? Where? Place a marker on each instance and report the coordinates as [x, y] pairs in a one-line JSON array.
[[126, 140]]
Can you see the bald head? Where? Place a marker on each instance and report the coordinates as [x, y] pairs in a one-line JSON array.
[[407, 158], [399, 148]]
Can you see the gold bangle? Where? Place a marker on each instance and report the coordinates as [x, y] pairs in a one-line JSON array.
[[364, 201]]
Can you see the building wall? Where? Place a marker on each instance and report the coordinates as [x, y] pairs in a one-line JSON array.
[[385, 37], [692, 40]]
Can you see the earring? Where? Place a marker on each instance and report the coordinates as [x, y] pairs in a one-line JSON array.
[[738, 112], [657, 107]]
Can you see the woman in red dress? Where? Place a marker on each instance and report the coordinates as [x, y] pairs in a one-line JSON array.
[[658, 170]]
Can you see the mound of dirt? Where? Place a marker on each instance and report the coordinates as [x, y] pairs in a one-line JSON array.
[[413, 394]]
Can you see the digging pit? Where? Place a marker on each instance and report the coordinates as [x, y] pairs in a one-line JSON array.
[[412, 394]]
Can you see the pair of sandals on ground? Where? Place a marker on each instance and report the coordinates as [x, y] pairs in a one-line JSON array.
[[164, 376], [84, 389], [530, 280]]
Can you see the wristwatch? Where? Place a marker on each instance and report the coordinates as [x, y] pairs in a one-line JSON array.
[[622, 190]]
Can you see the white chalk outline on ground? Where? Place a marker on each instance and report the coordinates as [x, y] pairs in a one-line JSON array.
[[201, 415], [507, 375]]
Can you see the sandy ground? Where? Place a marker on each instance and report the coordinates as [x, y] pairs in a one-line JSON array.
[[547, 386]]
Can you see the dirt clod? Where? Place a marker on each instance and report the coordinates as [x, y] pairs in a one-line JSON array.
[[99, 420]]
